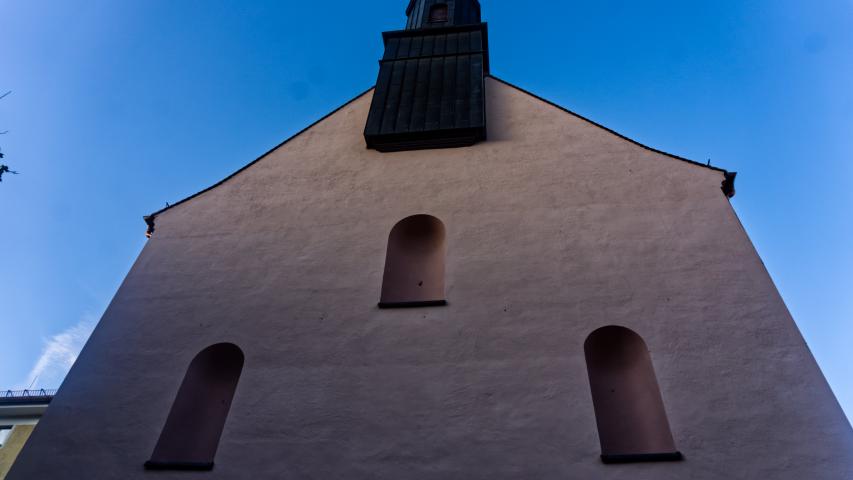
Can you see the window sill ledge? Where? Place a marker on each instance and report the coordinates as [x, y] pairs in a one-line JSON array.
[[182, 466], [428, 303], [642, 457]]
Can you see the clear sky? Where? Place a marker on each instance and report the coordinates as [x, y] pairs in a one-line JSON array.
[[120, 106]]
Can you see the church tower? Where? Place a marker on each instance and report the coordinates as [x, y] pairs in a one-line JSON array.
[[431, 91], [497, 289]]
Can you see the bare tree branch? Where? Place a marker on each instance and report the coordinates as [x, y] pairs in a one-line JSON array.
[[5, 168]]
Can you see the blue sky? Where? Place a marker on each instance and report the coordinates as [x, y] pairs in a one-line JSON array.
[[119, 107]]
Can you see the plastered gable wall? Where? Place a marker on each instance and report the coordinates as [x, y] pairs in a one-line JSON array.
[[555, 227]]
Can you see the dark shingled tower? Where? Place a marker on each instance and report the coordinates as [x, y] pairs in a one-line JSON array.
[[430, 92]]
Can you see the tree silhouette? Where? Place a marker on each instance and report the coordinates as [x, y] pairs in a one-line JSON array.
[[4, 168]]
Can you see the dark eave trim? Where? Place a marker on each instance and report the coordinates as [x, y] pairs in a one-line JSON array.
[[149, 219], [22, 401], [699, 164], [426, 140], [729, 184]]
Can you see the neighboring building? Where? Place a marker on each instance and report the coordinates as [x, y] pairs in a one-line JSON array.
[[555, 301], [20, 411]]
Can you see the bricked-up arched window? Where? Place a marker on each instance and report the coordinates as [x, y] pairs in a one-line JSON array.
[[414, 264], [438, 13], [629, 410], [191, 435]]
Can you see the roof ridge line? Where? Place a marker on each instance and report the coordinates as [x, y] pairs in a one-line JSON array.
[[149, 219], [593, 122], [729, 176]]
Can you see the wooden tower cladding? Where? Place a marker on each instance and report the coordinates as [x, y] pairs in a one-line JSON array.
[[430, 92]]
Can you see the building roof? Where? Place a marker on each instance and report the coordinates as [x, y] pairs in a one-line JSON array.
[[23, 406], [677, 157], [727, 185]]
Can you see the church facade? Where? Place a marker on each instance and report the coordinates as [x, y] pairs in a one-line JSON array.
[[448, 278]]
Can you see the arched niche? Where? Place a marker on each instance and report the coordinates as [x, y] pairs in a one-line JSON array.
[[191, 435], [629, 409], [414, 264]]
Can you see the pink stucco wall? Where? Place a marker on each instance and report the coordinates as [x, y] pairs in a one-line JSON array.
[[555, 228]]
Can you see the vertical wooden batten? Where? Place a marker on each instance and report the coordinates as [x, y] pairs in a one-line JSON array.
[[430, 90]]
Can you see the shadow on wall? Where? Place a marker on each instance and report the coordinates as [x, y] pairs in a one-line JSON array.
[[191, 435]]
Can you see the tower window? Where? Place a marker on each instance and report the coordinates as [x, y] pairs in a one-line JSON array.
[[414, 264], [629, 410], [438, 13], [191, 435]]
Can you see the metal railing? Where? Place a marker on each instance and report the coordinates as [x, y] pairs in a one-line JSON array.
[[30, 393]]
